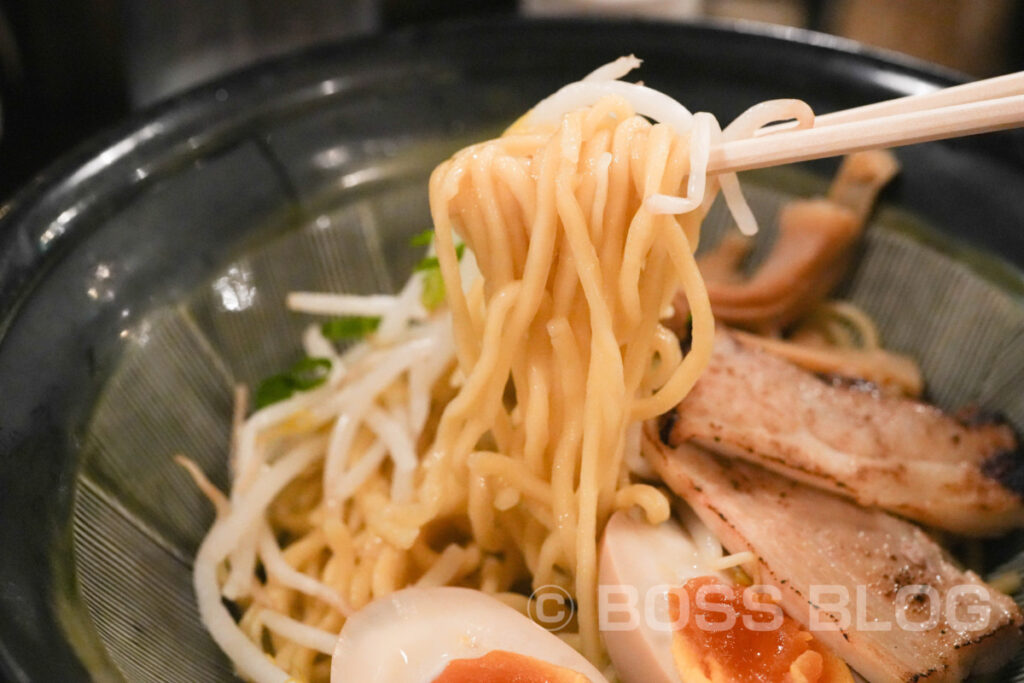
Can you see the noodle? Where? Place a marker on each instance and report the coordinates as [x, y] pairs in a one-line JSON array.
[[487, 443], [557, 302]]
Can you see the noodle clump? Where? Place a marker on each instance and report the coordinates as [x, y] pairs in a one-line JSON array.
[[484, 444], [560, 338]]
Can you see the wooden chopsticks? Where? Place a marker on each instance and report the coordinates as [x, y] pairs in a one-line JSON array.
[[980, 107]]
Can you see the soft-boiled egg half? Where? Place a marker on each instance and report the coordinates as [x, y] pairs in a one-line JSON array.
[[452, 635], [665, 603]]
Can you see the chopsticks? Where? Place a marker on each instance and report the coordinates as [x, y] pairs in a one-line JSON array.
[[980, 107], [987, 89]]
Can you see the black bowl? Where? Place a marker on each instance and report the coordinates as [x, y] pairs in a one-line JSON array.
[[143, 273]]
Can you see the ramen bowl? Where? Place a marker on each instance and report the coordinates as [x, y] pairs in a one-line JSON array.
[[144, 275]]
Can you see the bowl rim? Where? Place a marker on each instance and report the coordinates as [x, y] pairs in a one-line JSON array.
[[45, 199]]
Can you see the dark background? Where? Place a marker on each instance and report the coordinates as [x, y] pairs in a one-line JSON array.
[[68, 68]]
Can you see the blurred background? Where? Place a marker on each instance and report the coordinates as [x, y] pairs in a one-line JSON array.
[[68, 68]]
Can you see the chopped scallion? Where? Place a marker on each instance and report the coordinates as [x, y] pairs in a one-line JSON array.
[[349, 327], [307, 373], [431, 261], [433, 289], [421, 239]]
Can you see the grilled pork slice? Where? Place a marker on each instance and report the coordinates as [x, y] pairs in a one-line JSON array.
[[881, 451], [873, 587]]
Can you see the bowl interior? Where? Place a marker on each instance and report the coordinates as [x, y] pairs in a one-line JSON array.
[[138, 518], [154, 268]]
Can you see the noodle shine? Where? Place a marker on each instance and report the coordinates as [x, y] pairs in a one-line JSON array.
[[561, 350], [485, 444]]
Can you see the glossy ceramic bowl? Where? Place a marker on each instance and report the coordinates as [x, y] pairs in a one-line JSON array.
[[144, 275]]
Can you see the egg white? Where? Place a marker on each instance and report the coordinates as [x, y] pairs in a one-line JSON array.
[[652, 559], [412, 635]]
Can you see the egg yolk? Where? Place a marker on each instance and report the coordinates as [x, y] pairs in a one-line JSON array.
[[736, 653], [499, 666]]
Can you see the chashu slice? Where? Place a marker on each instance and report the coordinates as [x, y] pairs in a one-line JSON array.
[[889, 452], [805, 538]]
